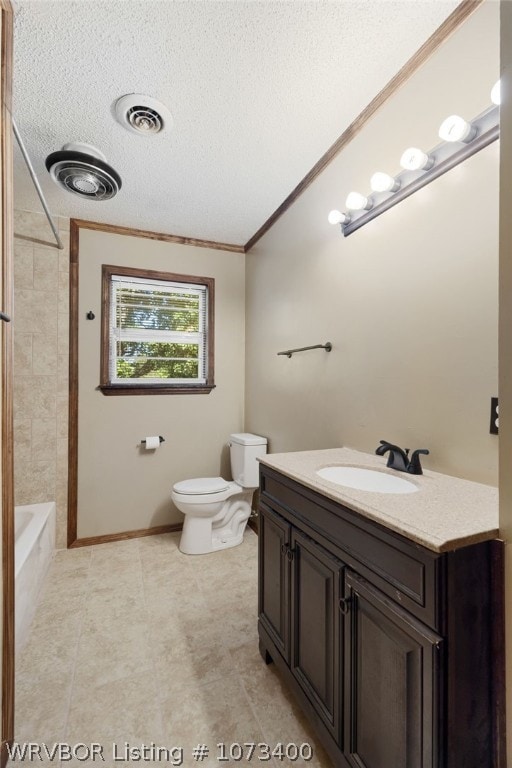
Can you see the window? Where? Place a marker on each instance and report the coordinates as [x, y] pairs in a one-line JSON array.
[[157, 332]]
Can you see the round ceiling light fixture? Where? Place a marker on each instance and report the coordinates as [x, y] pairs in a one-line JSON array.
[[83, 170], [142, 114]]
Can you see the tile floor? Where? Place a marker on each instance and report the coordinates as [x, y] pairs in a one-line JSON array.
[[135, 642]]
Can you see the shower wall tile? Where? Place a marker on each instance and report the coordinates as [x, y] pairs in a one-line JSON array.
[[64, 259], [35, 481], [62, 527], [41, 362], [63, 333], [62, 375], [22, 439], [64, 236], [23, 353], [61, 492], [62, 417], [46, 312], [44, 354], [61, 495], [30, 227], [44, 439], [24, 315], [46, 270], [29, 222], [63, 281], [35, 311], [35, 396], [62, 451], [23, 266]]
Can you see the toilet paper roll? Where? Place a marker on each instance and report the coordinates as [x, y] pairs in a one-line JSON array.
[[152, 442]]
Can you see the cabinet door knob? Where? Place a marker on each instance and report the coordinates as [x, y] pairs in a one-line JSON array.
[[284, 549], [345, 605], [289, 554]]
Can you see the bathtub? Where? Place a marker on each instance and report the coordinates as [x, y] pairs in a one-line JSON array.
[[34, 547]]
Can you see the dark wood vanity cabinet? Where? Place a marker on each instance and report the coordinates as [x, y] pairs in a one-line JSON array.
[[274, 580], [393, 651], [300, 586], [392, 682], [315, 626]]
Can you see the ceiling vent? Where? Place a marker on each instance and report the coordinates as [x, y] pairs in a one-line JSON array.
[[84, 171], [142, 114]]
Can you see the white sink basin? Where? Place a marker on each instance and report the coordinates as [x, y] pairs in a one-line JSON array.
[[367, 480]]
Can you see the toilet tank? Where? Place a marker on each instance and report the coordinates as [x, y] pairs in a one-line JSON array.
[[244, 450]]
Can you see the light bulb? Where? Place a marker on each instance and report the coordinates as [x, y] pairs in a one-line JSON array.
[[383, 182], [337, 217], [496, 93], [455, 128], [414, 159], [357, 202]]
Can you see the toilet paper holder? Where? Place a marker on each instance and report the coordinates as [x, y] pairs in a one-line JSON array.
[[162, 440]]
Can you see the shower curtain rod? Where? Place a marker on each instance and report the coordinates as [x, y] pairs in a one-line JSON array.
[[36, 184]]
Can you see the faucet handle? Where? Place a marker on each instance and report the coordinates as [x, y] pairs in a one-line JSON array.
[[384, 446], [415, 467]]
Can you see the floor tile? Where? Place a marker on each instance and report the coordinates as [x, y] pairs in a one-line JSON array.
[[135, 642], [108, 653], [209, 714], [125, 706]]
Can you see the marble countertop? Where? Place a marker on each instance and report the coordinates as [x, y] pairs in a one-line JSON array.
[[446, 512]]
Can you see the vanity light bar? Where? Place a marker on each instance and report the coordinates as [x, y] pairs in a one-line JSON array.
[[482, 131]]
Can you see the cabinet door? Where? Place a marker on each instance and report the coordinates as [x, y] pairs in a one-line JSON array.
[[315, 651], [391, 683], [274, 578]]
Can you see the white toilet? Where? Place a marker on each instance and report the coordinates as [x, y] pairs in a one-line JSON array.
[[216, 510]]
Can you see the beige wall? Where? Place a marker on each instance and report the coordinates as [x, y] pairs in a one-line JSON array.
[[120, 486], [41, 360], [505, 347], [409, 301]]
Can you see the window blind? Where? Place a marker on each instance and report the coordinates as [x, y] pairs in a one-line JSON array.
[[158, 331]]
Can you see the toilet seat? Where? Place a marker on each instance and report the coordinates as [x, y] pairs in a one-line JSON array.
[[199, 497], [201, 485]]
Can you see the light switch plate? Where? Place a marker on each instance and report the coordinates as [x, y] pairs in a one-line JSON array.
[[495, 419]]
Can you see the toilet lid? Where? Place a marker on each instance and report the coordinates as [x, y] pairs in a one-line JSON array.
[[200, 485]]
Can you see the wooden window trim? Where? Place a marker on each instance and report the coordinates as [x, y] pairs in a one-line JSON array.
[[107, 388]]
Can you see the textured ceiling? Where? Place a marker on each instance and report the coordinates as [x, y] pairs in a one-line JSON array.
[[258, 92]]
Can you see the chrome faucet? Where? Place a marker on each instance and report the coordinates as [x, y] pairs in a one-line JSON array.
[[399, 458]]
